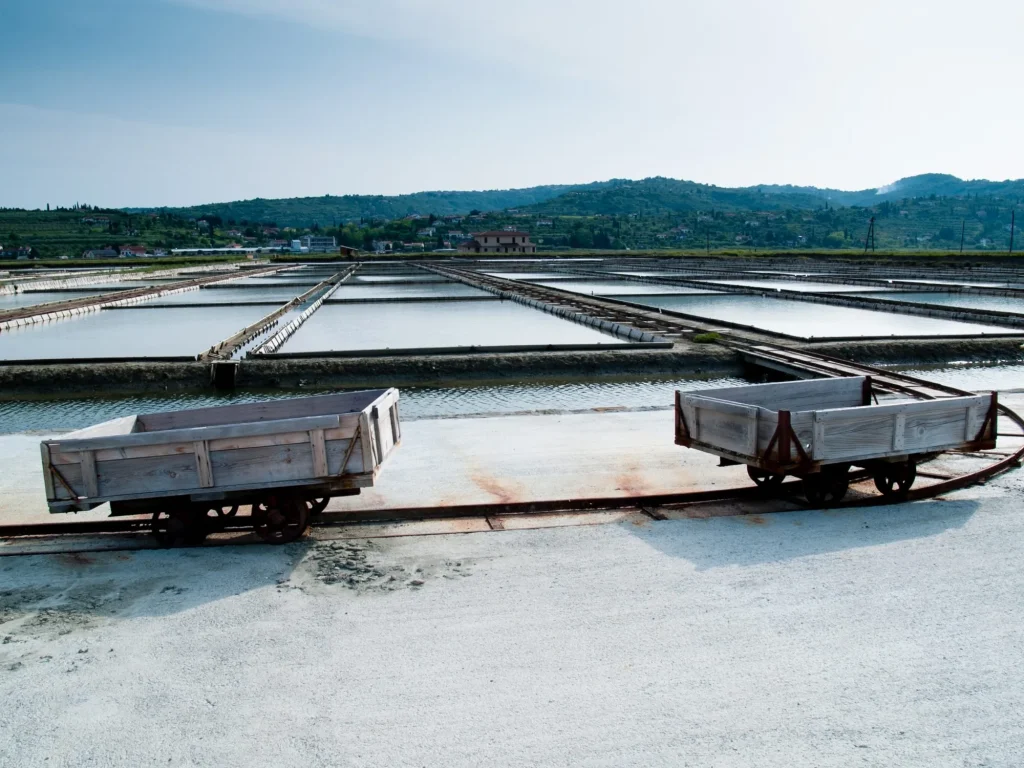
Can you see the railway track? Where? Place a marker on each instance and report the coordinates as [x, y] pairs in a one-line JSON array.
[[944, 473]]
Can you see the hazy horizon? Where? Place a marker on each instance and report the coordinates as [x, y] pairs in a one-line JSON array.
[[144, 103]]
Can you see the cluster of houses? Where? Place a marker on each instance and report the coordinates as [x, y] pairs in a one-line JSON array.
[[21, 252], [123, 252], [508, 240]]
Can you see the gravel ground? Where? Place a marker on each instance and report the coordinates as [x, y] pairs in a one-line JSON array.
[[879, 637]]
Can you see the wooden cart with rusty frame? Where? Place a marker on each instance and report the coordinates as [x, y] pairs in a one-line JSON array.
[[818, 429], [192, 469]]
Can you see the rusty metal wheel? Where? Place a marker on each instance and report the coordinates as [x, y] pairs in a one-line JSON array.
[[280, 519], [179, 527], [764, 479], [316, 506], [829, 486], [894, 480]]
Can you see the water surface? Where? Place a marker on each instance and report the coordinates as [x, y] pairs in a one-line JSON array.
[[964, 300], [425, 290], [51, 415], [814, 321], [127, 333], [436, 324], [620, 287]]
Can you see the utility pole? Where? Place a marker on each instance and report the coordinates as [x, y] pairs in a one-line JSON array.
[[870, 239], [1013, 222], [963, 223], [707, 240]]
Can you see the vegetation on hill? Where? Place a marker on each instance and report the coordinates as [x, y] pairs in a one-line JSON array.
[[332, 210], [651, 214]]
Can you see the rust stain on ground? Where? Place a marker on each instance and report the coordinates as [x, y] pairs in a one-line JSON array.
[[631, 481], [755, 520], [495, 488]]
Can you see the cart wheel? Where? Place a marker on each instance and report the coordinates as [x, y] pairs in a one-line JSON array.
[[894, 480], [763, 478], [828, 486], [225, 510], [280, 519], [180, 527], [316, 506]]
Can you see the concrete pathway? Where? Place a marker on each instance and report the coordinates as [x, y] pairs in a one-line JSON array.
[[880, 637], [468, 461]]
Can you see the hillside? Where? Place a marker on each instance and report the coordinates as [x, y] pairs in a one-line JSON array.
[[331, 210], [660, 195], [657, 195]]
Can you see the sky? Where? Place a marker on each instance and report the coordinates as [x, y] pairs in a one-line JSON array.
[[176, 102]]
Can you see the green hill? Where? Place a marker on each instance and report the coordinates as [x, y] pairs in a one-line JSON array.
[[660, 195], [330, 210], [657, 195]]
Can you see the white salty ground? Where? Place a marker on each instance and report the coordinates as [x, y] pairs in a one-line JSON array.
[[880, 637], [885, 636]]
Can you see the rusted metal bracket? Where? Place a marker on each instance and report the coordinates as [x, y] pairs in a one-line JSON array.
[[63, 481], [348, 451]]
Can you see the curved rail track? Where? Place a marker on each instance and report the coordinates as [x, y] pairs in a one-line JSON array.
[[958, 470]]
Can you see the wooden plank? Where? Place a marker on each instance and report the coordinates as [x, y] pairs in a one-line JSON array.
[[349, 425], [319, 405], [733, 432], [177, 449], [44, 450], [258, 467], [345, 461], [125, 425], [319, 447], [929, 431], [366, 441], [73, 475], [810, 394], [90, 480], [362, 480], [377, 437], [721, 406], [205, 433], [396, 432], [899, 430], [906, 406], [154, 476], [817, 437], [203, 468]]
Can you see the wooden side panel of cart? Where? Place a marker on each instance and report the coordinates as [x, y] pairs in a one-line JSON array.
[[827, 421], [246, 448]]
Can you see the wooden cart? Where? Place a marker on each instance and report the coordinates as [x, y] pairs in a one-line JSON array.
[[192, 469], [818, 429]]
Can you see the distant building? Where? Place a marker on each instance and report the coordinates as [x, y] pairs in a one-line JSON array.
[[427, 232], [348, 251], [318, 244], [129, 251], [101, 253], [383, 246], [499, 242], [15, 252]]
